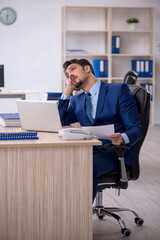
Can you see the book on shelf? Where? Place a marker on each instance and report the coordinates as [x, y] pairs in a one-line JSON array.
[[18, 135], [115, 44], [53, 95], [149, 87], [10, 120], [144, 68], [100, 67]]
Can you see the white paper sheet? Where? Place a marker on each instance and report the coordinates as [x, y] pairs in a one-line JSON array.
[[102, 132]]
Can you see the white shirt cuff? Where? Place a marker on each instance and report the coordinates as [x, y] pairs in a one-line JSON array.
[[125, 137], [65, 97]]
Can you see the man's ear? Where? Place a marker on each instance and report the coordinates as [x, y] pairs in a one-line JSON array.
[[87, 68]]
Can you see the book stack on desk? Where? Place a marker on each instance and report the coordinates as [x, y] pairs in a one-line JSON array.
[[54, 95], [10, 120]]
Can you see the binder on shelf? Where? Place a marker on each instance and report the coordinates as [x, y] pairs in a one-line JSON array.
[[18, 135], [148, 68], [53, 95], [115, 44], [10, 120], [142, 71], [144, 68], [149, 87], [100, 67], [136, 66]]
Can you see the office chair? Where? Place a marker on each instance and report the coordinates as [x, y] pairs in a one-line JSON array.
[[130, 77], [119, 179]]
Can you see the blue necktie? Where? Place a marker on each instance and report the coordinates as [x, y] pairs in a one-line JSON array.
[[88, 107]]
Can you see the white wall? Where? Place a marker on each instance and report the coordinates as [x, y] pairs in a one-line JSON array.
[[30, 48]]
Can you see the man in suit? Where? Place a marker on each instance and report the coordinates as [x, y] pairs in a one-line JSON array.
[[110, 104]]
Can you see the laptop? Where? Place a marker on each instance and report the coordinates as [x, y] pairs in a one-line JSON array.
[[39, 115]]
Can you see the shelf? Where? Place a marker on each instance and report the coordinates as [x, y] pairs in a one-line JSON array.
[[103, 78], [91, 29], [85, 54], [85, 31], [144, 15], [117, 78], [84, 18], [132, 31], [139, 79], [132, 55]]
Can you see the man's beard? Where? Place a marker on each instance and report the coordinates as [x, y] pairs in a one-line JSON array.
[[78, 84]]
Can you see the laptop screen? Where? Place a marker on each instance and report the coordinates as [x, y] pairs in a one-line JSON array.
[[39, 115]]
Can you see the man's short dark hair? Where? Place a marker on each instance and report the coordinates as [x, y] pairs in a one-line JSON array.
[[82, 62]]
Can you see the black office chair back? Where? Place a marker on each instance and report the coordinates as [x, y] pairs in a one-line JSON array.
[[142, 98], [130, 77]]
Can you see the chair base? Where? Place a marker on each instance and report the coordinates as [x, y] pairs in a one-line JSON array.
[[101, 212]]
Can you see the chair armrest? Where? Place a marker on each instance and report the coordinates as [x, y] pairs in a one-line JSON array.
[[119, 149]]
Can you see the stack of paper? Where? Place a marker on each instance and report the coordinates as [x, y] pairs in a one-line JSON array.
[[10, 120], [75, 51]]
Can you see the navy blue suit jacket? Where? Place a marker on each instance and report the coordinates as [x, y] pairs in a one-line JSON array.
[[116, 105]]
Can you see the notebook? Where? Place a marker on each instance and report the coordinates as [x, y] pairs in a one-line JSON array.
[[39, 115]]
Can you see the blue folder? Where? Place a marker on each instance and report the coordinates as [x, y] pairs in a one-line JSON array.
[[100, 68]]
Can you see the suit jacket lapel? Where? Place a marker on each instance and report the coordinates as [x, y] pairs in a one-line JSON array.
[[102, 93]]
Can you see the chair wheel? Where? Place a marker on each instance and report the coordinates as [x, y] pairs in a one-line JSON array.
[[126, 232], [139, 221], [100, 216]]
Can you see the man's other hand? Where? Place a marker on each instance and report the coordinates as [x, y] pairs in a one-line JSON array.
[[116, 139]]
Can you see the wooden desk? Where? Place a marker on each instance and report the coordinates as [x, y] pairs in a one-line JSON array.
[[46, 188]]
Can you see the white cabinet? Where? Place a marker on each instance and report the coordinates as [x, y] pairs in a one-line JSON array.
[[87, 33]]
